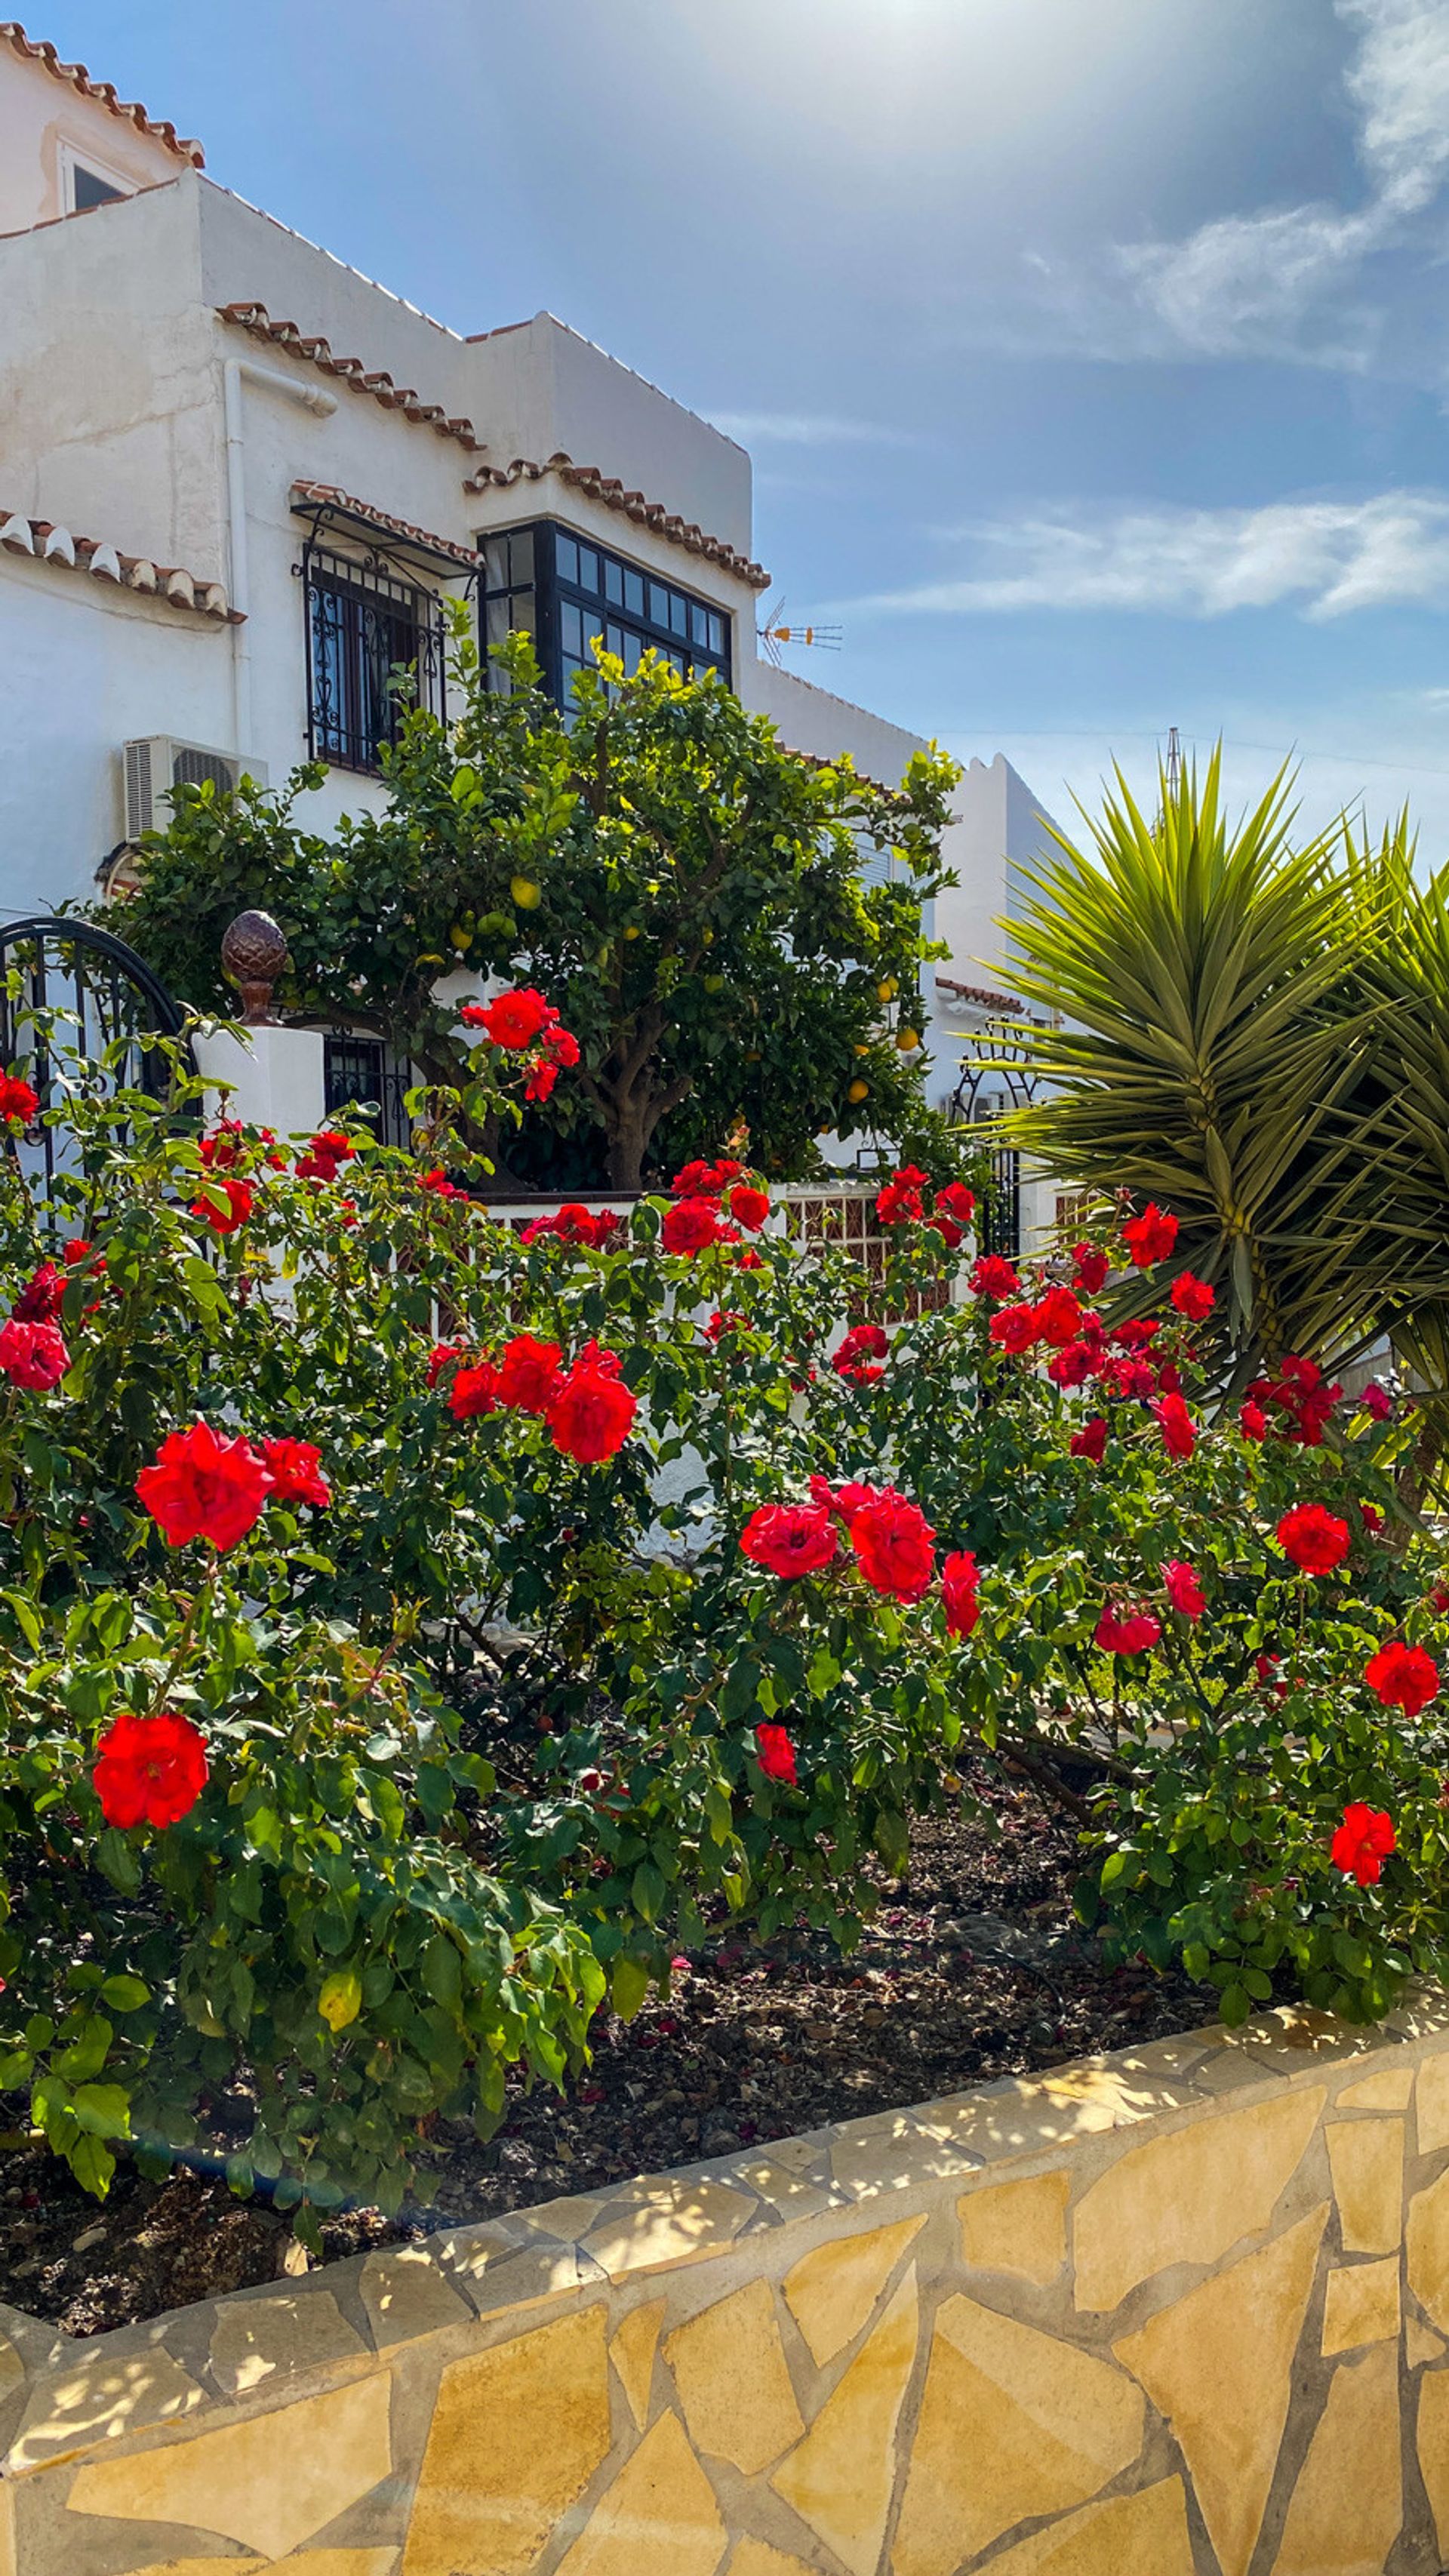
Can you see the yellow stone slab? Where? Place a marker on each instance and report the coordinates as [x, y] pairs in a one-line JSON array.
[[841, 2478], [659, 2518], [1366, 2159], [1189, 2196], [1421, 2343], [729, 2368], [1433, 2448], [100, 2400], [1361, 2305], [794, 2193], [258, 2339], [337, 2562], [1427, 2238], [12, 2368], [1013, 2424], [668, 2223], [832, 2291], [757, 2558], [1218, 2364], [248, 2481], [211, 2566], [516, 2435], [1139, 2535], [632, 2354], [1348, 2505], [405, 2295], [1431, 2107], [1017, 2227], [1390, 2090]]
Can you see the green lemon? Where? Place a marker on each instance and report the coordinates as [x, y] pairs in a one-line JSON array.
[[714, 983], [525, 894], [341, 1998]]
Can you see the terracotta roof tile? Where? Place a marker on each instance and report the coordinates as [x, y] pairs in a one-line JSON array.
[[353, 371], [76, 77], [608, 489], [48, 542], [982, 996], [328, 496]]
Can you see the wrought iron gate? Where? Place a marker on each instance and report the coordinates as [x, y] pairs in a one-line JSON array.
[[996, 1077], [106, 995]]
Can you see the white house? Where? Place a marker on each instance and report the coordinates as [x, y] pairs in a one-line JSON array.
[[237, 478]]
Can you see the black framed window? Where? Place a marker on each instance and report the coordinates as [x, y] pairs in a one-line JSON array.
[[368, 629], [563, 590], [359, 1070]]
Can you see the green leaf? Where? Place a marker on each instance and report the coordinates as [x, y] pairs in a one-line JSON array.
[[125, 1994], [103, 2110], [628, 1985]]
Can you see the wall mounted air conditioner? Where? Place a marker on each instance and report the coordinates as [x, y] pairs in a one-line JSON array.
[[157, 763]]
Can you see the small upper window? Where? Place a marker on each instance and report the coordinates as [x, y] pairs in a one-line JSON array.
[[88, 188]]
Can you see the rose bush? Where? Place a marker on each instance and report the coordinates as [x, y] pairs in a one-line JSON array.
[[413, 1628]]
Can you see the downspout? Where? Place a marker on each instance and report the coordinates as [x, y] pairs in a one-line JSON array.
[[240, 371]]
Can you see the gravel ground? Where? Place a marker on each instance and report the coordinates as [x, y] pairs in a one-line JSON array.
[[973, 1969]]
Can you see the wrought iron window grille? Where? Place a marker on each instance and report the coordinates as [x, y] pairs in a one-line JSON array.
[[377, 639]]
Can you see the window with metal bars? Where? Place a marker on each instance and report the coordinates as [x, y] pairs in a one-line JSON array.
[[376, 644]]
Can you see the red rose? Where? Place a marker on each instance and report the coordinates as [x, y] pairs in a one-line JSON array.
[[894, 1545], [18, 1103], [437, 1184], [748, 1259], [993, 1276], [900, 1202], [441, 1356], [1074, 1365], [1315, 1539], [574, 1223], [866, 1344], [1403, 1677], [1253, 1422], [1058, 1317], [39, 1301], [960, 1583], [149, 1770], [32, 1356], [1362, 1844], [722, 1321], [1377, 1401], [591, 1411], [775, 1755], [1136, 1333], [749, 1206], [295, 1468], [1150, 1237], [844, 1500], [1092, 1268], [705, 1180], [528, 1374], [1014, 1328], [239, 1203], [512, 1020], [324, 1157], [1129, 1633], [789, 1539], [1183, 1588], [956, 1202], [557, 1047], [1193, 1297], [1091, 1440], [693, 1225], [78, 1250], [1179, 1437], [474, 1390], [221, 1150], [203, 1486]]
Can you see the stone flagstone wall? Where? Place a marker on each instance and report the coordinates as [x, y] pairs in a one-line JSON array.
[[1177, 2312]]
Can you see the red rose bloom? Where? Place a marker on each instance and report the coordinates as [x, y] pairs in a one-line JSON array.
[[1362, 1844], [1403, 1677], [789, 1539], [748, 1259], [1126, 1633], [900, 1202], [1193, 1298], [574, 1223], [960, 1584], [894, 1545], [993, 1276], [956, 1202], [528, 1374], [1074, 1365], [512, 1020], [860, 1353], [437, 1185], [239, 1203], [1092, 1268], [203, 1486], [474, 1390], [1253, 1422], [1183, 1588], [1377, 1401], [693, 1225], [32, 1356], [558, 1047], [844, 1500], [441, 1356], [1315, 1539], [1179, 1437], [324, 1157], [1058, 1317], [1014, 1328], [149, 1770], [775, 1755], [749, 1206], [18, 1103], [39, 1301], [591, 1411], [1150, 1237], [1091, 1440], [295, 1468], [705, 1180]]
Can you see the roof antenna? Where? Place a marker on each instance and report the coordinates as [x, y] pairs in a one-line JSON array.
[[772, 634], [1172, 767]]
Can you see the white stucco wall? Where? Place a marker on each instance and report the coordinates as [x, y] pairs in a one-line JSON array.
[[1002, 828]]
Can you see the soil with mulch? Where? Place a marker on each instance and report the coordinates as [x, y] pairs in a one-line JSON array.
[[974, 1968]]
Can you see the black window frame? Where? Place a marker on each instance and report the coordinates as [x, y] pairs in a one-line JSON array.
[[346, 595], [549, 580]]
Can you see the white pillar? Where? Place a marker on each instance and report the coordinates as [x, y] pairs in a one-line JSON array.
[[275, 1074]]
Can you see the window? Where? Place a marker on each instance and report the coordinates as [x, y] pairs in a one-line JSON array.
[[563, 591], [90, 189], [356, 1070], [375, 645], [87, 182]]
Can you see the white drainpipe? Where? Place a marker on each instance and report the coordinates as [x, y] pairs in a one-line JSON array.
[[240, 371]]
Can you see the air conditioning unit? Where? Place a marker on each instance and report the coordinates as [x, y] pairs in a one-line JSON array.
[[156, 764]]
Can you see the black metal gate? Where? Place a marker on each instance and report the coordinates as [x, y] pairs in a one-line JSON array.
[[105, 995], [996, 1077]]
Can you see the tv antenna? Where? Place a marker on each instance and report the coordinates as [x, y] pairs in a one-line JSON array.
[[775, 633], [1172, 766]]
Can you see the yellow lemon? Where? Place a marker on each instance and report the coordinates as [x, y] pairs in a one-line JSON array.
[[525, 894], [632, 930], [862, 1050], [858, 1091], [714, 983], [908, 1039], [885, 991], [460, 937], [341, 1998]]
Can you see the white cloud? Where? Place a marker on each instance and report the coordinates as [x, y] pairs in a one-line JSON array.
[[808, 429], [1235, 285], [1400, 84], [1325, 557]]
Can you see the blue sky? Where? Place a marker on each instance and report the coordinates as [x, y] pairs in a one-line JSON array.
[[1094, 354]]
